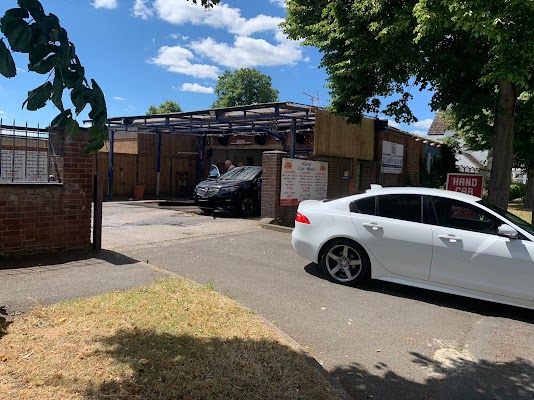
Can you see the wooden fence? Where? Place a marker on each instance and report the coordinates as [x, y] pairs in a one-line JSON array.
[[177, 177]]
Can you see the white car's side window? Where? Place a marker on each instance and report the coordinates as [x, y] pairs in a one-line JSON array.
[[406, 207], [366, 206], [459, 215]]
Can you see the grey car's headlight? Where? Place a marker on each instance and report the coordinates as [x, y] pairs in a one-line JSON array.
[[228, 189]]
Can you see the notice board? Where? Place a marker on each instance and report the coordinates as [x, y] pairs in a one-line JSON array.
[[303, 180]]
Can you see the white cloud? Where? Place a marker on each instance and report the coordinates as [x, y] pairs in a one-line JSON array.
[[141, 10], [424, 124], [21, 70], [176, 59], [196, 88], [178, 36], [109, 4], [118, 98], [249, 52], [279, 3], [245, 51], [180, 12], [393, 123]]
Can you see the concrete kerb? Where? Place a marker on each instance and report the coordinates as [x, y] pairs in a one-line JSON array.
[[266, 223]]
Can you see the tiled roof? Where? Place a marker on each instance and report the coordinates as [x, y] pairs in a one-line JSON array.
[[438, 127]]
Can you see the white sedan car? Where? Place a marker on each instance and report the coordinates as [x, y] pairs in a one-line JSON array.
[[428, 238]]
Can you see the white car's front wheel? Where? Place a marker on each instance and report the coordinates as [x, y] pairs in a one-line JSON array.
[[345, 262]]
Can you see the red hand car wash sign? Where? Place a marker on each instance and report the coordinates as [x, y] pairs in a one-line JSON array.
[[465, 183]]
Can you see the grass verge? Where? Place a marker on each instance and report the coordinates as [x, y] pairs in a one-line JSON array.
[[172, 340]]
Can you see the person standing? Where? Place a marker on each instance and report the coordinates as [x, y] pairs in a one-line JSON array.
[[229, 166]]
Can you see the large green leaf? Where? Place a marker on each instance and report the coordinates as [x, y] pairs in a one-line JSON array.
[[57, 88], [98, 114], [19, 35], [61, 119], [44, 66], [40, 51], [38, 97], [98, 131], [77, 96], [11, 19], [95, 145], [34, 7], [72, 127], [7, 65]]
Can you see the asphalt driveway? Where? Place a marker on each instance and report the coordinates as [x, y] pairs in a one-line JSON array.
[[380, 340]]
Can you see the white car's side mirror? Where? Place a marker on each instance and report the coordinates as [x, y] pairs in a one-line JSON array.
[[507, 231]]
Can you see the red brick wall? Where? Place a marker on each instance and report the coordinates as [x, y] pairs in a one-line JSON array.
[[271, 183], [50, 216], [413, 151], [270, 189]]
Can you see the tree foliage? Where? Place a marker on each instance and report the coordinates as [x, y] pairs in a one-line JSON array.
[[168, 106], [244, 86], [476, 57], [29, 30]]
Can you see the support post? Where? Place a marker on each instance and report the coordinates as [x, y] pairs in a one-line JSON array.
[[97, 212], [158, 165], [293, 137], [110, 163]]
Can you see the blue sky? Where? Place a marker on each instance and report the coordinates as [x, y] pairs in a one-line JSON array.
[[143, 52]]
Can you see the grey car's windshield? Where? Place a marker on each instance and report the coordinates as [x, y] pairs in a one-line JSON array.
[[241, 174], [513, 218]]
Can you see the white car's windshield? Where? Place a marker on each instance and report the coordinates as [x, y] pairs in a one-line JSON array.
[[241, 174], [513, 218]]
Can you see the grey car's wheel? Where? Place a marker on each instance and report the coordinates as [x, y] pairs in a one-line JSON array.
[[345, 262], [247, 206]]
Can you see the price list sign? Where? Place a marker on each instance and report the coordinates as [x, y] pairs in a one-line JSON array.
[[303, 180]]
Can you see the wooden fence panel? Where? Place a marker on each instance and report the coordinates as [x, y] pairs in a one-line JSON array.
[[177, 174]]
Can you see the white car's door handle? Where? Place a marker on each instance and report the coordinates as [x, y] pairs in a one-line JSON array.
[[372, 225], [450, 238]]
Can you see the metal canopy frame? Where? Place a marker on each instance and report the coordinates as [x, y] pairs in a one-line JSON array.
[[279, 119]]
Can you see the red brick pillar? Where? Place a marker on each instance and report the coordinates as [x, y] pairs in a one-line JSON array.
[[77, 198], [271, 179]]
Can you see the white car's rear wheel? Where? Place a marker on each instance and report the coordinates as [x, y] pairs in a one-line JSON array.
[[345, 262]]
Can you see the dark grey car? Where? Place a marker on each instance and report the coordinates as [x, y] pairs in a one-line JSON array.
[[238, 189]]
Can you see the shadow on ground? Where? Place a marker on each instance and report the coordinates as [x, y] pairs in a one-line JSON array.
[[457, 379], [480, 307], [166, 366], [64, 257]]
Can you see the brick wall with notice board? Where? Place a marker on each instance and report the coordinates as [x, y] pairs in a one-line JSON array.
[[46, 217]]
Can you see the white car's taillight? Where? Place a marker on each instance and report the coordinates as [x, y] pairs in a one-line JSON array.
[[302, 219]]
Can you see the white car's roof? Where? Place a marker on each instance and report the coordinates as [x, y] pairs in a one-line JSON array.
[[423, 191], [378, 191]]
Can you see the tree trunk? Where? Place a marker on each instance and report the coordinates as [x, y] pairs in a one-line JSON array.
[[529, 198], [502, 146]]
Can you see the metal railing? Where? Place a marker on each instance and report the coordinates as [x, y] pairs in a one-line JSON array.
[[25, 155]]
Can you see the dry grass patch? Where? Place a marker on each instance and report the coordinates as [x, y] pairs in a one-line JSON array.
[[523, 213], [171, 340]]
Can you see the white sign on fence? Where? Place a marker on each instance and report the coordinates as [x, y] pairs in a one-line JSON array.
[[303, 180], [392, 157]]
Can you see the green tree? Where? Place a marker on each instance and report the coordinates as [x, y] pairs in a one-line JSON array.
[[244, 86], [476, 57], [29, 30], [167, 107]]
